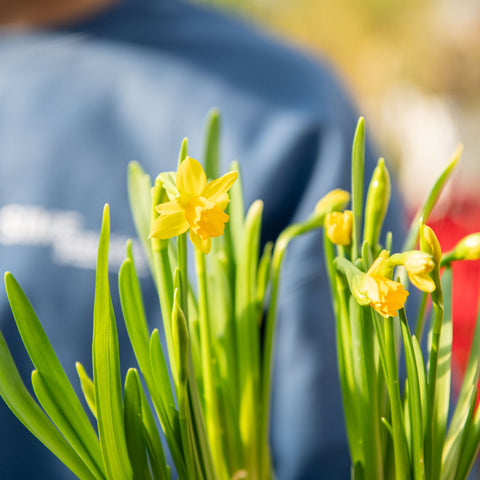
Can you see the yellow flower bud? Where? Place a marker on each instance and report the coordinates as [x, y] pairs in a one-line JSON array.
[[335, 200], [468, 248], [339, 227], [419, 265], [429, 243]]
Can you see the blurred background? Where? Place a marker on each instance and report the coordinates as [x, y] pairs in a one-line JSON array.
[[413, 68]]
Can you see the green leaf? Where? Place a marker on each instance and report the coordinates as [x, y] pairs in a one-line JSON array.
[[21, 403], [162, 379], [358, 164], [106, 369], [88, 388], [134, 314], [182, 155], [248, 341], [443, 380], [422, 380], [457, 434], [75, 425], [162, 397], [139, 185], [432, 198], [470, 449], [236, 210], [134, 435], [155, 451], [212, 134], [414, 400]]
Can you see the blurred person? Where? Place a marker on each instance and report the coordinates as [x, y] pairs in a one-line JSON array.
[[85, 87]]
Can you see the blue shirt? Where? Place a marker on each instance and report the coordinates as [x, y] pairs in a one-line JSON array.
[[78, 103]]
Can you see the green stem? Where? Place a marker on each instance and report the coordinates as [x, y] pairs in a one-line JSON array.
[[269, 336], [398, 427], [210, 400], [164, 282]]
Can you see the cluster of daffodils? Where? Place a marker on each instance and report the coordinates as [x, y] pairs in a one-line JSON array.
[[398, 429], [210, 392]]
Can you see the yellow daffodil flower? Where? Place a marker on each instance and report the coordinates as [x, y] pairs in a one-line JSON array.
[[199, 206], [386, 296], [374, 288], [338, 226]]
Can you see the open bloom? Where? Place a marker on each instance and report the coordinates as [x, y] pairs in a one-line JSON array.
[[339, 227], [385, 296], [199, 206], [373, 288]]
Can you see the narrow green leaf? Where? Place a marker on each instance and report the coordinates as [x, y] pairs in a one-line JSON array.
[[182, 155], [443, 381], [56, 413], [422, 380], [134, 314], [414, 400], [365, 390], [139, 185], [106, 369], [236, 211], [134, 432], [432, 198], [248, 341], [457, 435], [358, 164], [87, 388], [80, 431], [156, 455], [212, 133], [159, 366], [470, 449], [21, 403]]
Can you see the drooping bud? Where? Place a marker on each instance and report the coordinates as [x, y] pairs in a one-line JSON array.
[[333, 201]]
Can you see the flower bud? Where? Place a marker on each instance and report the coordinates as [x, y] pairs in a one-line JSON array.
[[418, 265], [468, 248], [378, 197], [429, 244], [333, 201], [339, 227]]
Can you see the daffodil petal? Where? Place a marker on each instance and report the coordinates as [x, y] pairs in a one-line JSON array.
[[216, 189], [168, 226], [221, 200], [423, 282], [168, 208], [203, 245], [191, 179]]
